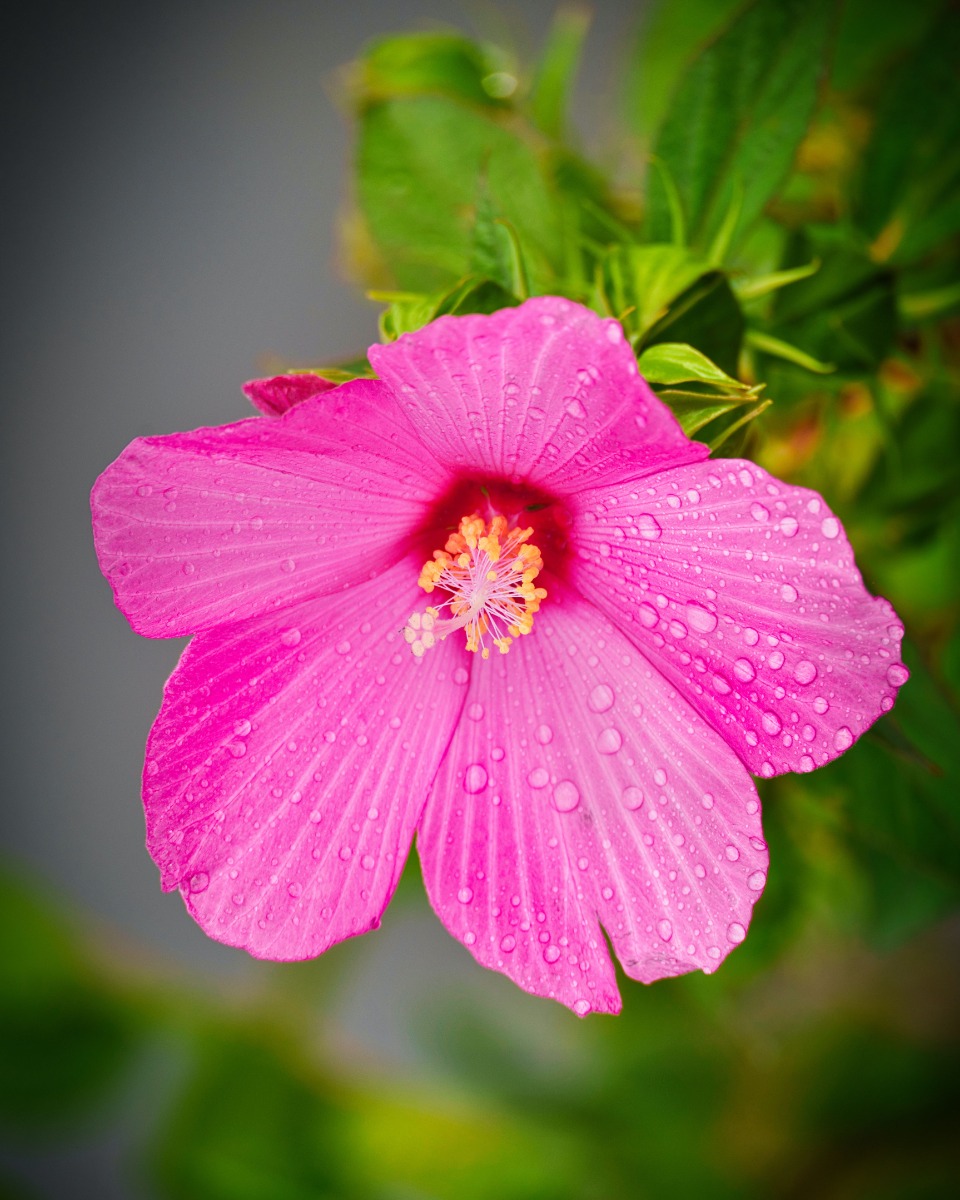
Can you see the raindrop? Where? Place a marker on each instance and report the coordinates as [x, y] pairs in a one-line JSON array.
[[601, 698], [736, 933], [290, 637], [665, 929], [805, 672], [771, 723], [701, 619], [508, 944], [756, 881], [830, 527], [544, 735], [465, 895], [744, 670], [789, 526], [581, 1007], [632, 798], [788, 593], [199, 882], [242, 727], [475, 712], [843, 738], [649, 527], [897, 675], [609, 741], [475, 778], [759, 513], [732, 853], [551, 954], [659, 777], [648, 615], [775, 661], [678, 630], [539, 777], [566, 796]]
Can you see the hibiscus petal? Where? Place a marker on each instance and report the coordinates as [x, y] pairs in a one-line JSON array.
[[276, 395], [196, 529], [547, 393], [289, 764], [743, 591], [580, 788]]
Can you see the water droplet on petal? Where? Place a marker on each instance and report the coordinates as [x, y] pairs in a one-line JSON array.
[[199, 882], [736, 933], [475, 778], [539, 777], [771, 723], [830, 527], [789, 526], [843, 738], [508, 943], [601, 698], [566, 796], [665, 929], [759, 512], [648, 615], [475, 712], [756, 881], [465, 895], [551, 954], [290, 637], [631, 797], [544, 735], [744, 670], [788, 593], [701, 619], [242, 727], [649, 527], [897, 675], [609, 741], [805, 672]]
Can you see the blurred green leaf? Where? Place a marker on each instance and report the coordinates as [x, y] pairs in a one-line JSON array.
[[253, 1123], [738, 117], [706, 316], [752, 288], [639, 283], [436, 63], [420, 165], [910, 183], [557, 68], [65, 1039]]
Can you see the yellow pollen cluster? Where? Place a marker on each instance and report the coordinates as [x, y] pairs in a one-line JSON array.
[[488, 569]]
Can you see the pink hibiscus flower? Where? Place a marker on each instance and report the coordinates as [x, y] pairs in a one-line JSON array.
[[564, 704]]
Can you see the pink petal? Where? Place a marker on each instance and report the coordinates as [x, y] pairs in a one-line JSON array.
[[276, 395], [744, 593], [196, 529], [289, 764], [580, 789], [547, 393]]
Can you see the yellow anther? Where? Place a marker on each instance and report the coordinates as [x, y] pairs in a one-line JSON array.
[[488, 570]]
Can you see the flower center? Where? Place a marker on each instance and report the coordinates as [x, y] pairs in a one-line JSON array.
[[488, 569]]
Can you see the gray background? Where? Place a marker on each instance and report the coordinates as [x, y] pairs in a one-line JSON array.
[[173, 181]]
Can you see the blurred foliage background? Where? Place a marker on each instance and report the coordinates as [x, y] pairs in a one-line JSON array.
[[778, 228]]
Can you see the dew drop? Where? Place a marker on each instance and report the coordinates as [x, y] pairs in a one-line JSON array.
[[544, 735], [508, 943], [805, 672], [581, 1007], [649, 527], [771, 723], [601, 698], [290, 637], [843, 738], [631, 797], [539, 777], [551, 954], [566, 796], [788, 593], [648, 615], [775, 661], [759, 512], [242, 727], [465, 895], [701, 619], [789, 526], [199, 882], [732, 853], [897, 675], [830, 527], [736, 933], [756, 881], [475, 778], [665, 929], [475, 712], [744, 670], [609, 740]]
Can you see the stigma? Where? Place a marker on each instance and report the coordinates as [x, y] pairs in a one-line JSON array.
[[487, 569]]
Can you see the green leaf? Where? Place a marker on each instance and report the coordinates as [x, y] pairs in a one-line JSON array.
[[420, 164], [767, 344], [762, 285], [640, 282], [436, 63], [496, 252], [911, 169], [926, 306], [557, 68], [706, 316], [672, 362], [253, 1123], [65, 1039], [739, 115]]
